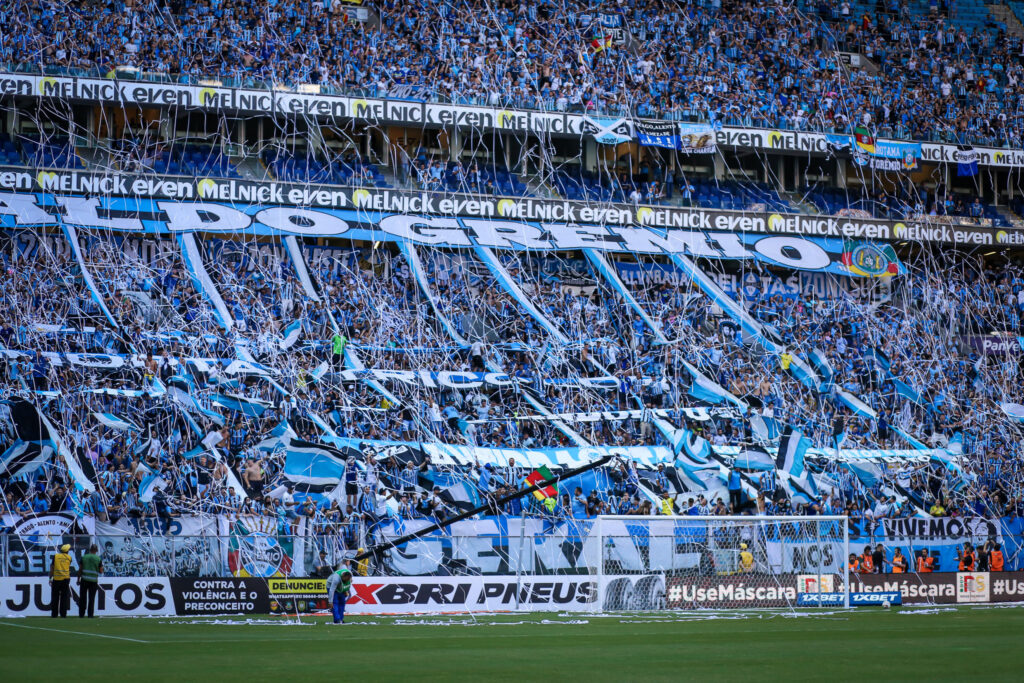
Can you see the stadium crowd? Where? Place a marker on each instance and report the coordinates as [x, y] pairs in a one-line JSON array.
[[762, 64], [901, 346]]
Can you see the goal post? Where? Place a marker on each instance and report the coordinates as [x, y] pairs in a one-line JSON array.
[[687, 563]]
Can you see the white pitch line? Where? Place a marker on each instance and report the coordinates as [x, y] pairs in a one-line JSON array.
[[77, 633]]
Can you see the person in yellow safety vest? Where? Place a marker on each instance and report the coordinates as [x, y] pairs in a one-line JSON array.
[[785, 359], [666, 504], [60, 582], [363, 565], [746, 559]]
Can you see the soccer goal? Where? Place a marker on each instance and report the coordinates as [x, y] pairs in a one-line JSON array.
[[687, 563]]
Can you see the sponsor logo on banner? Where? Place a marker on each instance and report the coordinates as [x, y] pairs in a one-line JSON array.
[[293, 595], [994, 344], [117, 597], [471, 593], [816, 583], [972, 587], [228, 595], [241, 200], [1007, 586], [930, 588], [729, 591], [856, 599], [399, 111]]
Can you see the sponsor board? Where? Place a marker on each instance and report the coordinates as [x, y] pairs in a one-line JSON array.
[[914, 589], [725, 592], [222, 595], [238, 193], [408, 595], [284, 103], [117, 597], [973, 587], [816, 583], [946, 588], [291, 596], [856, 599]]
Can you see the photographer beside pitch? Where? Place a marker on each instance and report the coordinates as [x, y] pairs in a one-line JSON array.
[[338, 585]]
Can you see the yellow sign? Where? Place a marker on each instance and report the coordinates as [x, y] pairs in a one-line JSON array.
[[279, 586]]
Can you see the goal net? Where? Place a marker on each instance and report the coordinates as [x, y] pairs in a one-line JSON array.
[[687, 563]]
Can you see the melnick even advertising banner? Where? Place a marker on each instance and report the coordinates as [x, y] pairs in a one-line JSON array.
[[249, 197]]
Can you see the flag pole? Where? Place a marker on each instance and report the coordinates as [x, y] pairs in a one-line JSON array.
[[378, 549]]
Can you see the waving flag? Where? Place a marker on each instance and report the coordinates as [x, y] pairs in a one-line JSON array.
[[906, 391], [540, 474], [869, 473], [311, 463], [820, 362], [857, 406], [1014, 411], [115, 422], [291, 335], [753, 459], [792, 449], [764, 429], [24, 458], [878, 357], [800, 489], [250, 407], [804, 373], [149, 486], [704, 389], [695, 446], [461, 496]]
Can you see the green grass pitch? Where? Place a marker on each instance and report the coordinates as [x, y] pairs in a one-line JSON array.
[[948, 644]]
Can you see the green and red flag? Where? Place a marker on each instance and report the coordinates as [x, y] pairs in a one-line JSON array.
[[540, 474]]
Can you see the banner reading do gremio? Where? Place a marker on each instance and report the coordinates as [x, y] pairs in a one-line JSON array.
[[744, 238]]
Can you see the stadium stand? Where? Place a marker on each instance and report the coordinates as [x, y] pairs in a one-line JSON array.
[[343, 341]]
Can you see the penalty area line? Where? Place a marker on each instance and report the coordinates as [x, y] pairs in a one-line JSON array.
[[77, 633]]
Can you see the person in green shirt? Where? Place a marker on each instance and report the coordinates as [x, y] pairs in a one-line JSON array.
[[338, 343], [338, 585], [88, 581]]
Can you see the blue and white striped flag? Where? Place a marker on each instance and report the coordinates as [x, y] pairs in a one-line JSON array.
[[1014, 411], [311, 463], [820, 362], [804, 373], [704, 389], [765, 430], [792, 449], [906, 391], [24, 458], [149, 485], [291, 335], [250, 407], [116, 422], [695, 446], [857, 406], [754, 459]]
